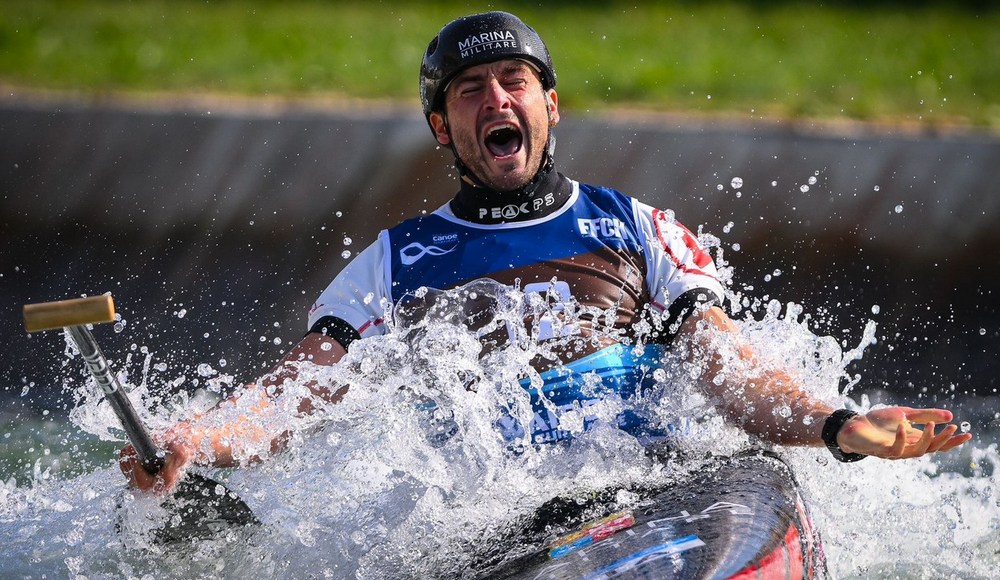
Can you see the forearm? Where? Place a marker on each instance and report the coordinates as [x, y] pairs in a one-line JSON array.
[[223, 437], [254, 424], [765, 402], [771, 404], [773, 407]]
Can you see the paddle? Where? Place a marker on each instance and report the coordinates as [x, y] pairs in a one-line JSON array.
[[199, 507]]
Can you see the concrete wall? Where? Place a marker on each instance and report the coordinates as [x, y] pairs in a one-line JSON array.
[[215, 230]]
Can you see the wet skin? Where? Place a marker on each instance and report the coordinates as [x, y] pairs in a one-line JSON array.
[[497, 118]]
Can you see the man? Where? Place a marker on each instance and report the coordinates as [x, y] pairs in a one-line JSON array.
[[488, 93]]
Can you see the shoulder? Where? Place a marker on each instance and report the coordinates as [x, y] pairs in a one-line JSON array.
[[603, 193], [435, 218], [608, 200]]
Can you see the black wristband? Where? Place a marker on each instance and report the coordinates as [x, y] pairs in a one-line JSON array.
[[831, 427], [337, 329]]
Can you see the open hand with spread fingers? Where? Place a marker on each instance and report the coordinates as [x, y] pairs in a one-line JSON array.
[[890, 433]]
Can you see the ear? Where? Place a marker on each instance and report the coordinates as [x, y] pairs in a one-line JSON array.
[[440, 127], [553, 103]]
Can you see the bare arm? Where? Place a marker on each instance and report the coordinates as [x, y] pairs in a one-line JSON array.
[[748, 397], [201, 442]]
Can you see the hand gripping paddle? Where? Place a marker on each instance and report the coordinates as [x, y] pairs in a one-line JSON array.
[[199, 507]]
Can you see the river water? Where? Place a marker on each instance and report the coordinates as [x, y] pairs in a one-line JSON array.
[[384, 485]]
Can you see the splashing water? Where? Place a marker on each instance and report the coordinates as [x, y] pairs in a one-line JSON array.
[[409, 476]]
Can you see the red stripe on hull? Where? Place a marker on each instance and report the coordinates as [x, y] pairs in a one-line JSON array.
[[783, 563]]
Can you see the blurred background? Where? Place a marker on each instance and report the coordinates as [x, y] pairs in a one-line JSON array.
[[214, 164]]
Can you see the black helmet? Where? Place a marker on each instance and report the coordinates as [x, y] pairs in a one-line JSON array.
[[478, 39]]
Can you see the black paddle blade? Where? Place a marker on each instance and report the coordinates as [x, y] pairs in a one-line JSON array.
[[199, 509]]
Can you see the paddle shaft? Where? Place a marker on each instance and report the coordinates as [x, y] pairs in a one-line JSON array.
[[136, 431], [199, 507]]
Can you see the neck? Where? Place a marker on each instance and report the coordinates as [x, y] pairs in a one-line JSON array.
[[544, 195]]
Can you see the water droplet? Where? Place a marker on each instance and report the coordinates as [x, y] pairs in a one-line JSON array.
[[276, 341], [348, 241], [982, 332], [899, 208], [876, 309], [736, 183], [326, 346], [182, 313], [774, 184], [345, 254], [812, 180], [804, 188], [877, 188], [965, 426]]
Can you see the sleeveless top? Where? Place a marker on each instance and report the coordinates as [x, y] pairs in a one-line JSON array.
[[628, 270]]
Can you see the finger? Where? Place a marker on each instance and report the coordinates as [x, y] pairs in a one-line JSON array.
[[924, 443], [924, 416], [939, 440], [900, 443], [128, 463], [955, 442], [125, 459], [136, 474]]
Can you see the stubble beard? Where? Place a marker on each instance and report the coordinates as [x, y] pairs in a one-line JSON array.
[[470, 152]]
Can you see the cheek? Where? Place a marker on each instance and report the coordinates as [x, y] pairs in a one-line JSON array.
[[465, 144]]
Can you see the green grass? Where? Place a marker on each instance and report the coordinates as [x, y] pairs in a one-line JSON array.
[[929, 64]]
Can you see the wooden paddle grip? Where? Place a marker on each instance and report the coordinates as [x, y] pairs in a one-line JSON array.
[[75, 312]]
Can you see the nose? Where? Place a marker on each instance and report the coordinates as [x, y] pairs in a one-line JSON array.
[[496, 96]]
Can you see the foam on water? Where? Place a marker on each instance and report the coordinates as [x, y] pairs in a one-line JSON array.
[[408, 476]]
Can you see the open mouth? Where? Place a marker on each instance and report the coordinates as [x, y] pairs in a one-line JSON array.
[[504, 140]]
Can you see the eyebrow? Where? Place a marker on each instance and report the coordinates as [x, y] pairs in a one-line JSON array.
[[508, 69]]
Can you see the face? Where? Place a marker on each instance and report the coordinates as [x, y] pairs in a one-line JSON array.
[[497, 117]]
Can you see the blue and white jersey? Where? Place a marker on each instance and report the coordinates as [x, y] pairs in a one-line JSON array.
[[603, 250]]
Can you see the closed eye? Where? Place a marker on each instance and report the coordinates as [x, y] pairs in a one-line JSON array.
[[515, 84], [468, 88]]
